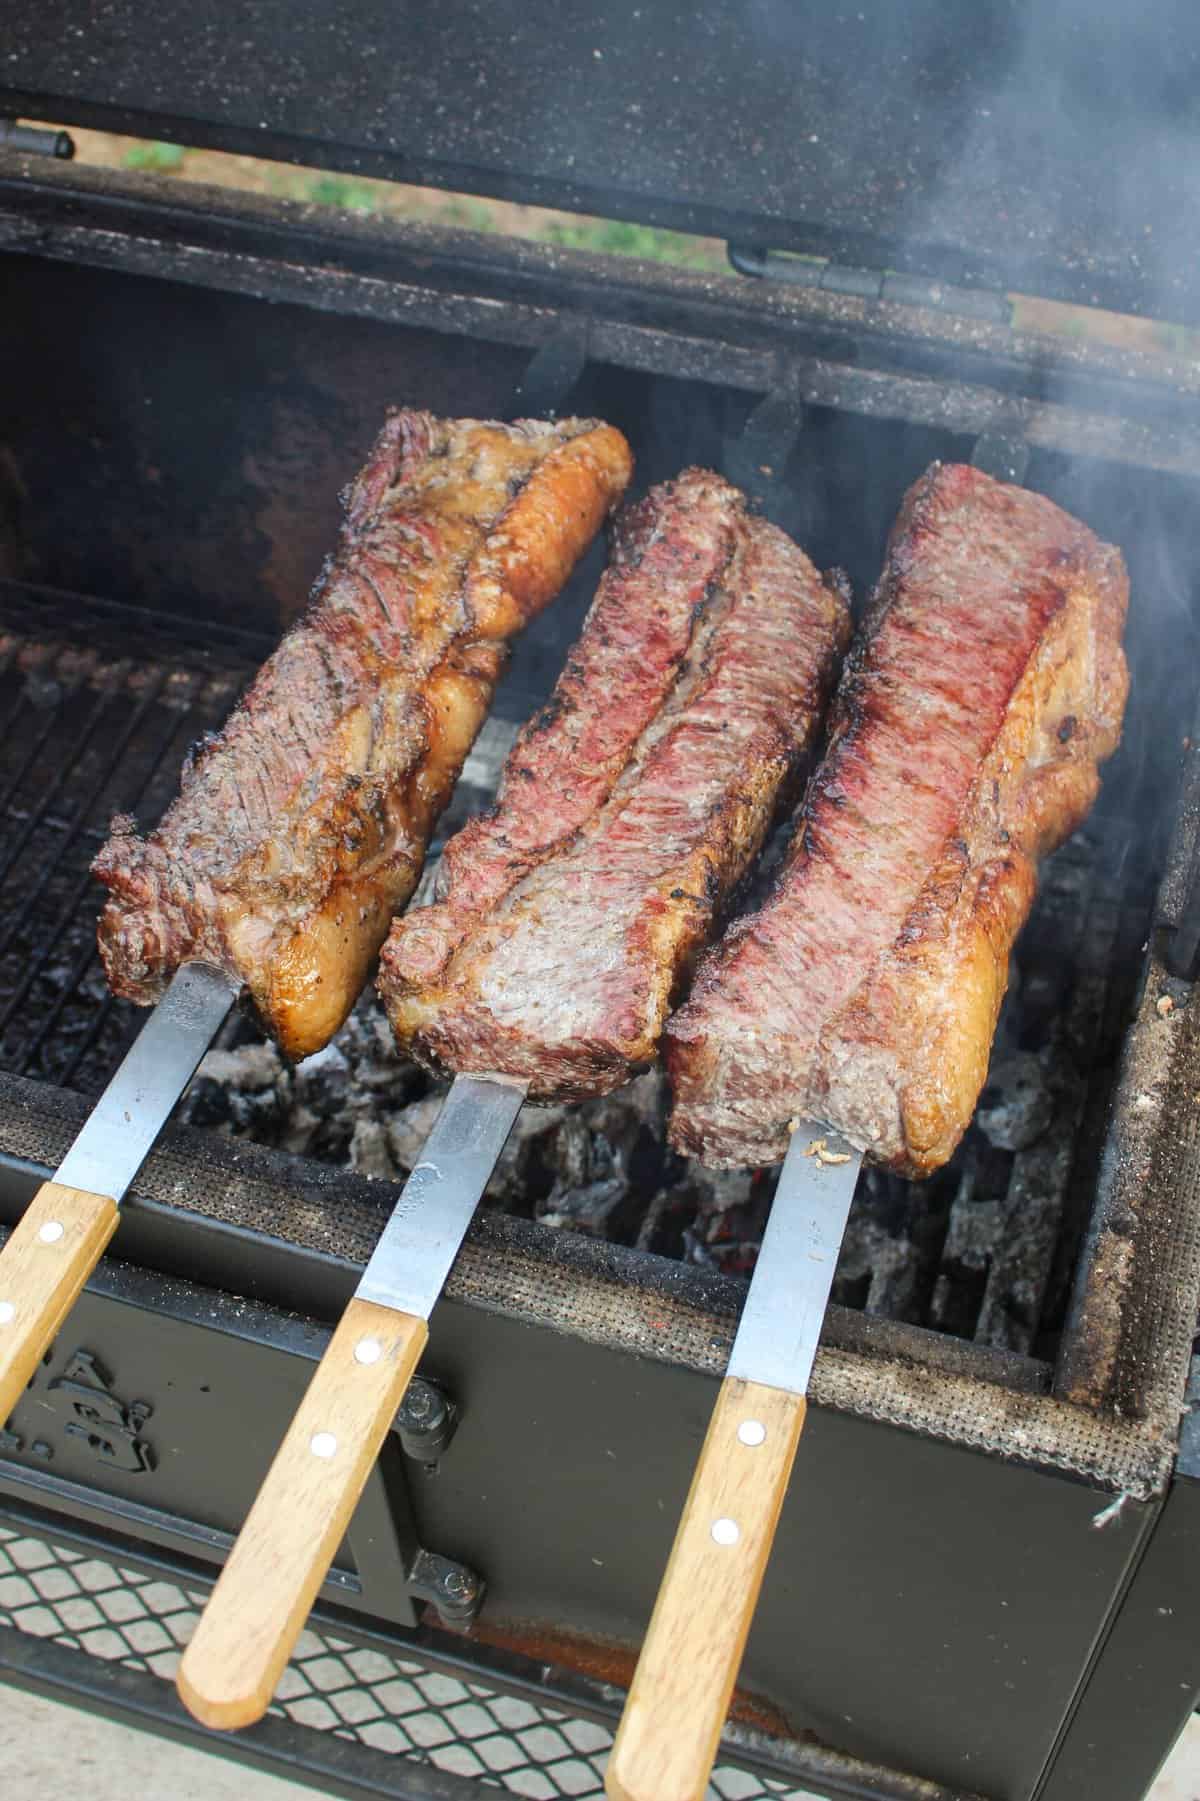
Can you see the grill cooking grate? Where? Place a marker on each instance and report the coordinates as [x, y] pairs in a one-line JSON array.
[[87, 732], [386, 1703]]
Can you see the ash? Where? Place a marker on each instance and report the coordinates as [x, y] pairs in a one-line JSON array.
[[984, 1250], [600, 1168]]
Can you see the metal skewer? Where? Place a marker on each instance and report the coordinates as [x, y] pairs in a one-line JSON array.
[[262, 1598], [681, 1689], [62, 1234]]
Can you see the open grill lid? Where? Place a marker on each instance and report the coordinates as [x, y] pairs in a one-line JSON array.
[[1045, 145]]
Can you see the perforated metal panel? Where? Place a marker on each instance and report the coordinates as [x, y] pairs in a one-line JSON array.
[[388, 1703]]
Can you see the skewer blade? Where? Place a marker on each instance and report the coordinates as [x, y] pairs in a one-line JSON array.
[[139, 1100], [409, 1265], [62, 1234], [781, 1321]]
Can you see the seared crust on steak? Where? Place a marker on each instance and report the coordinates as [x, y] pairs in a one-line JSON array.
[[302, 826], [630, 806], [984, 688]]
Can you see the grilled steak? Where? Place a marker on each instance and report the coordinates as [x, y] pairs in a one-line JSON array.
[[980, 694], [301, 828], [630, 805]]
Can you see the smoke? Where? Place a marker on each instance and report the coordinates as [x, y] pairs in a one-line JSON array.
[[1040, 144]]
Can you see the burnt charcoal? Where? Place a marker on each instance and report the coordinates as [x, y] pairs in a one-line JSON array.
[[730, 1208], [1019, 1100], [634, 1122], [314, 1108], [369, 1151], [575, 1153], [408, 1129], [593, 1193], [593, 1209], [322, 1083], [242, 1092], [525, 1171]]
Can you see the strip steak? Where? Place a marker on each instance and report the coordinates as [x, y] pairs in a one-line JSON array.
[[630, 805], [985, 686], [302, 826]]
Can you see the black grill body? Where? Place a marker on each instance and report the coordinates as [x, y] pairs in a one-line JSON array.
[[188, 382]]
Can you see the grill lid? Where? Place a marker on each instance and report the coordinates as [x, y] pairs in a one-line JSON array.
[[1050, 145]]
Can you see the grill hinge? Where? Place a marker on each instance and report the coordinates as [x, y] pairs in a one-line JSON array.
[[871, 284], [34, 140]]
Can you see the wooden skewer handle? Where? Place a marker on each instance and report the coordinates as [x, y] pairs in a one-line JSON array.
[[46, 1261], [262, 1598], [668, 1736]]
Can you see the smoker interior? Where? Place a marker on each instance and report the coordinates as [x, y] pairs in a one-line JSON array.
[[169, 483]]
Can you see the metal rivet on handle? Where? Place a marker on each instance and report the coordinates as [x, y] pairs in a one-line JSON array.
[[322, 1444], [7, 1312], [52, 1231], [752, 1432], [726, 1532], [368, 1350]]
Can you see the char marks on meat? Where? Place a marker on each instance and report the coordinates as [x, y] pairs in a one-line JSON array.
[[983, 690], [302, 827], [630, 806]]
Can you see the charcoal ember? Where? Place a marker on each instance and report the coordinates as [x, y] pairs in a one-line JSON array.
[[324, 1079], [243, 1092], [367, 1044], [573, 1153], [302, 1132], [597, 1209], [729, 1210], [633, 1121], [1019, 1100], [973, 1232], [877, 1270], [592, 1193], [358, 1068], [335, 1106], [665, 1219], [408, 1129], [370, 1153], [521, 1171]]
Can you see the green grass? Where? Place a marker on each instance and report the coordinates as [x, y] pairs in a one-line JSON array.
[[467, 214], [610, 237], [621, 237], [340, 191], [161, 157], [1180, 340]]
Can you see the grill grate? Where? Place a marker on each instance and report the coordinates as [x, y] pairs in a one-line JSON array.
[[112, 729], [387, 1703]]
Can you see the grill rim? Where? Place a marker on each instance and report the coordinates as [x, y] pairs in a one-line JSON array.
[[875, 357], [619, 1299]]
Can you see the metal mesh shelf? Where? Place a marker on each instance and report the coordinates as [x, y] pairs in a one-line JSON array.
[[386, 1703]]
